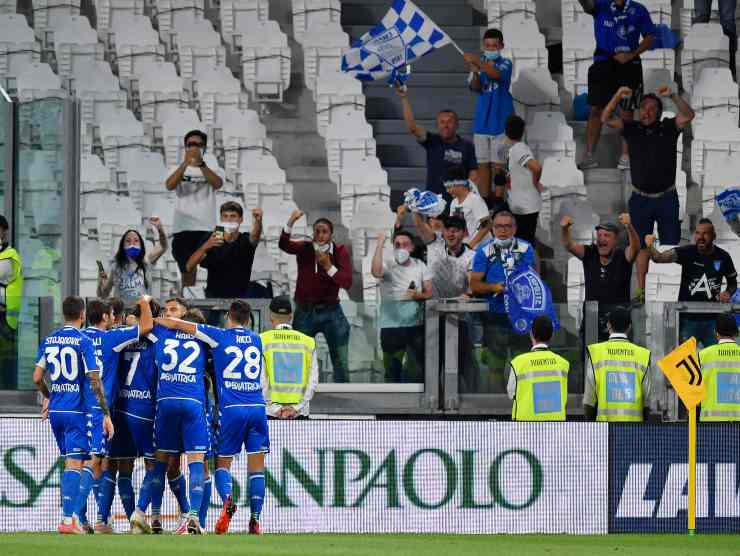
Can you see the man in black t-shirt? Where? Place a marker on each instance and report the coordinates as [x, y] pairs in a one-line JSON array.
[[653, 150], [607, 269], [703, 266], [445, 148], [228, 256]]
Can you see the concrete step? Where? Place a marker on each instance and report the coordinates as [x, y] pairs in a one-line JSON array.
[[370, 12], [384, 103], [398, 126]]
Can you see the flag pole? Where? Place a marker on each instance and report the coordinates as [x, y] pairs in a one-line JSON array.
[[453, 43]]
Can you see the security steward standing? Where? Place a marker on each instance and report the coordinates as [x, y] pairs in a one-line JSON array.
[[618, 383], [720, 367], [538, 379], [11, 294], [291, 366]]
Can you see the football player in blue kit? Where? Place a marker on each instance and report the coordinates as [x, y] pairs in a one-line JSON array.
[[134, 420], [69, 357], [109, 343], [180, 421], [238, 366]]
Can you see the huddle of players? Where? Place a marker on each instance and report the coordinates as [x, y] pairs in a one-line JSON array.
[[114, 393]]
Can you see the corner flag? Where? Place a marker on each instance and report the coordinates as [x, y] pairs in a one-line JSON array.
[[403, 35]]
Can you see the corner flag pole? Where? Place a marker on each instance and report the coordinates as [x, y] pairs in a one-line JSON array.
[[692, 471]]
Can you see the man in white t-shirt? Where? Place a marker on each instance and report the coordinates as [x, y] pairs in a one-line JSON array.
[[525, 190], [195, 183], [404, 284], [468, 205], [449, 260]]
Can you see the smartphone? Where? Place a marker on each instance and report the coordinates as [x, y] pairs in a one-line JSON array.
[[219, 231], [101, 269], [412, 285]]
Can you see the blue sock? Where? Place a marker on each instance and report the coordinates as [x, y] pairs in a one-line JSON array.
[[223, 483], [126, 493], [196, 486], [203, 513], [96, 495], [256, 494], [157, 487], [179, 489], [85, 486], [107, 493], [145, 492], [82, 510], [70, 491]]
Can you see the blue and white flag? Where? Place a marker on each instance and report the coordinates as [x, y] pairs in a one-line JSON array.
[[527, 297], [424, 202], [404, 35], [729, 203]]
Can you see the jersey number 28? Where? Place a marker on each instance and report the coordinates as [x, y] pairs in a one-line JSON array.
[[252, 363]]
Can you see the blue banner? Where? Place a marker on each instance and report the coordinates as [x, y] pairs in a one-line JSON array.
[[527, 297], [648, 478]]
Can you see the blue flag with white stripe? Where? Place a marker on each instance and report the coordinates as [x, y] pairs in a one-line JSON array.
[[404, 35], [526, 297]]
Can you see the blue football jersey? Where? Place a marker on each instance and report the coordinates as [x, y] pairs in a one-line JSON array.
[[237, 361], [137, 379], [68, 355], [108, 346], [181, 363]]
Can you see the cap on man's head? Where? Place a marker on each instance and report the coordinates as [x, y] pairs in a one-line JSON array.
[[608, 227], [281, 305], [726, 325]]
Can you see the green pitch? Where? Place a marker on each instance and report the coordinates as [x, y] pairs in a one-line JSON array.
[[370, 545]]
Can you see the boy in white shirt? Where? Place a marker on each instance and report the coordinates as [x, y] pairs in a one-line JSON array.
[[468, 205], [525, 190]]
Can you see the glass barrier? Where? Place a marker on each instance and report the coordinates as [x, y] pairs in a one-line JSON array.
[[40, 169]]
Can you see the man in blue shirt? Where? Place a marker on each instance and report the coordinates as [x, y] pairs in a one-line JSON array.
[[490, 77], [109, 342], [74, 374], [238, 366], [618, 26], [493, 260]]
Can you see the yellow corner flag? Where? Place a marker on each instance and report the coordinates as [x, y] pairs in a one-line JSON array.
[[681, 368]]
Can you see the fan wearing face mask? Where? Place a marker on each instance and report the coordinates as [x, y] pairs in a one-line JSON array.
[[405, 282], [228, 255], [129, 274]]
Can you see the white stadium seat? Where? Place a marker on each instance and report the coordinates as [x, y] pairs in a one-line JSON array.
[[308, 13], [371, 217], [721, 175], [323, 46], [7, 6], [215, 89], [238, 16], [97, 89], [94, 176], [575, 289], [261, 177], [563, 182], [715, 91], [660, 58], [364, 180], [18, 46], [715, 135], [121, 133], [135, 42], [662, 281], [534, 91], [578, 49], [349, 139], [336, 90], [47, 13], [175, 123], [502, 12], [549, 135], [39, 81], [75, 43], [242, 135], [159, 86], [704, 47], [688, 12], [108, 13], [169, 13], [266, 62], [197, 44]]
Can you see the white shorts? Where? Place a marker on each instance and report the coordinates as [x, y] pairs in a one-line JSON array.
[[491, 148]]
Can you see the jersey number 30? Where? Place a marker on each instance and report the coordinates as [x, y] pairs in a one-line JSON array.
[[252, 363], [63, 362]]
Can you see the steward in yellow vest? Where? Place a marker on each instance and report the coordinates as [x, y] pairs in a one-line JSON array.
[[538, 379], [291, 366], [720, 368], [11, 279], [618, 383]]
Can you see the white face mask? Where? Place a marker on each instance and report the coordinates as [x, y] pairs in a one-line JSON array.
[[229, 227], [321, 248], [401, 255], [505, 243]]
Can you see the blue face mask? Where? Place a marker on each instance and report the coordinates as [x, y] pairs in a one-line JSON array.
[[491, 55], [132, 252]]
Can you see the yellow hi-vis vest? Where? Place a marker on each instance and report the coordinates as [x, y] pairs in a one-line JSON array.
[[619, 369], [541, 386], [720, 368], [288, 354], [13, 289]]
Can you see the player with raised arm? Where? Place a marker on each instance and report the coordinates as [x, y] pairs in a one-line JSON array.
[[109, 343], [237, 360], [68, 356], [179, 422]]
